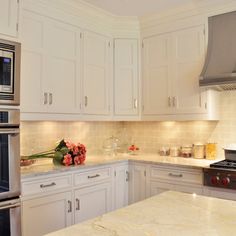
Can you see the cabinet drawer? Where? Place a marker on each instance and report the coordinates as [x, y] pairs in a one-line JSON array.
[[92, 176], [177, 174], [45, 185]]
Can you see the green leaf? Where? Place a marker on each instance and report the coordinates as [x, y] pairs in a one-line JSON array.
[[64, 150], [58, 156]]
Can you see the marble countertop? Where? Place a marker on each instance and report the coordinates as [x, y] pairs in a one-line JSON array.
[[166, 214], [47, 167]]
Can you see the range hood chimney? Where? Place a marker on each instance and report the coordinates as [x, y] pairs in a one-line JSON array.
[[219, 71]]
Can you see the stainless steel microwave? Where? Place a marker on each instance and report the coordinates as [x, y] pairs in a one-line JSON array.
[[9, 72]]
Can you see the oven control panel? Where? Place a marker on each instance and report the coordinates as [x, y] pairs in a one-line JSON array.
[[220, 178]]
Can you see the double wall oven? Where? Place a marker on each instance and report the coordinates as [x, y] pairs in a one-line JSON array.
[[10, 210]]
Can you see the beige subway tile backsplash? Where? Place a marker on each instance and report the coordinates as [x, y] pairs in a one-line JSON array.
[[149, 136]]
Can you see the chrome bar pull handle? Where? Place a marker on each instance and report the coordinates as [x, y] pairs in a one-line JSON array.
[[135, 103], [45, 101], [169, 101], [77, 204], [50, 99], [174, 101], [70, 206], [85, 101], [127, 176], [176, 175], [93, 176], [47, 185]]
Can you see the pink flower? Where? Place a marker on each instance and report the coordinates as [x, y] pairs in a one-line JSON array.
[[75, 150], [70, 145], [78, 160], [67, 160]]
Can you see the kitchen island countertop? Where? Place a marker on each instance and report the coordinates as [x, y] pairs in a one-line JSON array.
[[98, 160], [166, 214]]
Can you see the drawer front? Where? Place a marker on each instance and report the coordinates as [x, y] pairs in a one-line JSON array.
[[93, 176], [177, 175], [45, 185]]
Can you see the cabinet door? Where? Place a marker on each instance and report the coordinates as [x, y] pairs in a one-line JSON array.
[[121, 186], [62, 80], [158, 187], [156, 69], [188, 57], [96, 74], [92, 201], [9, 17], [32, 63], [46, 214], [126, 77], [219, 193], [137, 183]]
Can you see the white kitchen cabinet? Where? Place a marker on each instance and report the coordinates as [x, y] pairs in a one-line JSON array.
[[156, 75], [50, 66], [219, 193], [121, 184], [96, 74], [138, 182], [164, 178], [92, 201], [158, 187], [172, 63], [9, 12], [187, 58], [126, 96], [46, 214]]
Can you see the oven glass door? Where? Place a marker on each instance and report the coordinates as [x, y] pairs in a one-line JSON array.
[[6, 71], [9, 163], [10, 218], [4, 163]]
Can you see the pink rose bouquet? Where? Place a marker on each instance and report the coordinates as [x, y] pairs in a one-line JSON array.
[[65, 153]]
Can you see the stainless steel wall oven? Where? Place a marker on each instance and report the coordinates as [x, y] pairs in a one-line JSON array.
[[9, 173]]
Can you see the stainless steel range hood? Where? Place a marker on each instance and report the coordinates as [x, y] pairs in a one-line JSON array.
[[219, 71]]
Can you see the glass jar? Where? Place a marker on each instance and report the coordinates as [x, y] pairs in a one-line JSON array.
[[174, 151], [211, 149], [199, 151], [186, 151]]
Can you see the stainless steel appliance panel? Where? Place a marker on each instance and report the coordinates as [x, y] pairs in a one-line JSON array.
[[10, 218]]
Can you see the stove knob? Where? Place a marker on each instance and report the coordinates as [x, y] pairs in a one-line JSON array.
[[225, 181], [215, 180]]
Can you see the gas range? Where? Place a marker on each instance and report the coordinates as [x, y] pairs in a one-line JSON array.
[[222, 174]]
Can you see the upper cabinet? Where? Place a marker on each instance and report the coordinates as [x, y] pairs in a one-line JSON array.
[[75, 70], [9, 11], [126, 96], [97, 74], [50, 66], [172, 63]]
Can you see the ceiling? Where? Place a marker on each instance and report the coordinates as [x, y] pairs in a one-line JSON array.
[[138, 7]]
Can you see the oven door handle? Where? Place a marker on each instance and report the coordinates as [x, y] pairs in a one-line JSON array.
[[9, 206], [9, 131]]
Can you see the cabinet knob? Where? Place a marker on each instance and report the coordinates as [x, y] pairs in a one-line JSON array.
[[174, 101]]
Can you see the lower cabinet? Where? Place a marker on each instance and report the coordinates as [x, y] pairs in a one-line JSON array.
[[92, 201], [138, 182], [219, 193], [46, 214], [120, 186], [160, 187]]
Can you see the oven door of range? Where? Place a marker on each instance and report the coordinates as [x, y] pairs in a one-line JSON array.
[[9, 163], [10, 218]]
